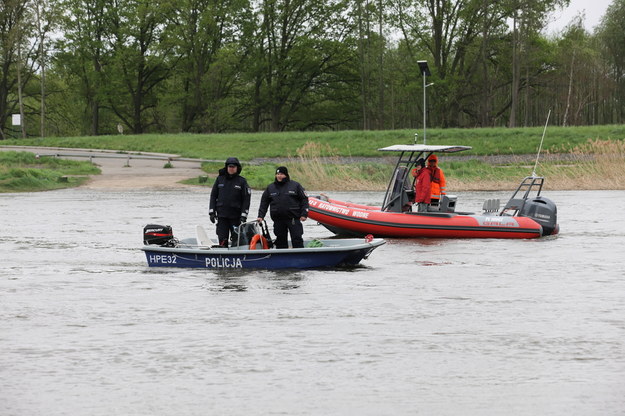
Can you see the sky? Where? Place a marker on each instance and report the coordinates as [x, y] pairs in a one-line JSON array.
[[593, 9]]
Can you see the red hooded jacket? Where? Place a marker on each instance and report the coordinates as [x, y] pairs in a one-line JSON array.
[[422, 185]]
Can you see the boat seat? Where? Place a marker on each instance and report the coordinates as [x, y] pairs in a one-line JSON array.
[[491, 205], [514, 204], [202, 239]]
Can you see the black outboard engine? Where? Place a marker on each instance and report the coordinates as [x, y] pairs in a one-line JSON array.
[[161, 235], [543, 211]]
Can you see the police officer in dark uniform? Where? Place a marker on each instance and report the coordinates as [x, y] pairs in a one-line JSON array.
[[288, 205], [230, 200]]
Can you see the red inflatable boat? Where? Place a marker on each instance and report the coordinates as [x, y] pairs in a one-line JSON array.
[[525, 215]]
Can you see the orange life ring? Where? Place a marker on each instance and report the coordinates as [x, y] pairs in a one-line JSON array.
[[256, 239]]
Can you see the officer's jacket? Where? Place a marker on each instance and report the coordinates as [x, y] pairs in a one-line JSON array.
[[230, 196], [286, 199]]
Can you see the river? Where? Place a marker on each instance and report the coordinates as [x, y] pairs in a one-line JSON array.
[[424, 327]]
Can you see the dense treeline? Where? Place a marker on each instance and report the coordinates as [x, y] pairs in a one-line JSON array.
[[91, 67]]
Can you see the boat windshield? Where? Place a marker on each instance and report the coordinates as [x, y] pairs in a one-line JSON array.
[[400, 190]]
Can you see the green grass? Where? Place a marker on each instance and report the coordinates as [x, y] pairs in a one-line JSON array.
[[248, 146], [477, 170], [24, 172], [314, 158], [257, 176]]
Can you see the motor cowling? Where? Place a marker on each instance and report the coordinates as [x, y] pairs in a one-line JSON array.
[[161, 235], [544, 212]]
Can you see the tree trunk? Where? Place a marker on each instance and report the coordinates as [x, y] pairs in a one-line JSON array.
[[485, 110], [42, 123], [95, 117], [363, 69], [42, 60], [19, 88], [568, 96], [381, 71], [136, 118], [527, 97], [515, 72], [276, 114], [257, 106], [138, 95]]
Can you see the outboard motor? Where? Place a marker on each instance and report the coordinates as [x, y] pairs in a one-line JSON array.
[[161, 235], [543, 211]]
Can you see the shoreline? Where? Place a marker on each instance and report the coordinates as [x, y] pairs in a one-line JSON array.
[[146, 170], [122, 171]]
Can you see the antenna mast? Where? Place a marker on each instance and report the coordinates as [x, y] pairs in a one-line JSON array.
[[541, 144]]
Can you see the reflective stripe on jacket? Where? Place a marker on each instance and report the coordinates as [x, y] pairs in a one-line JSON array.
[[230, 196], [438, 186]]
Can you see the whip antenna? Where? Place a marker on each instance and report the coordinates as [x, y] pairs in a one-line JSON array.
[[541, 144]]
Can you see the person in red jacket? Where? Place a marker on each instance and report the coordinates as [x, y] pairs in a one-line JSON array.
[[438, 181], [422, 185]]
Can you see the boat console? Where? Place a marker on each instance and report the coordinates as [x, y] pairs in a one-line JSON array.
[[447, 204]]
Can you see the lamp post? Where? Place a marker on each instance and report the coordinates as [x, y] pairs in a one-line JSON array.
[[425, 71]]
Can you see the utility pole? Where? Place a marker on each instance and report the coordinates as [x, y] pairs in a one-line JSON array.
[[425, 71]]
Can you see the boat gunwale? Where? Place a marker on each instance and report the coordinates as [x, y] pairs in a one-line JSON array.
[[235, 251]]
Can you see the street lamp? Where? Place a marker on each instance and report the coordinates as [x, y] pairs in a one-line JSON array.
[[425, 71]]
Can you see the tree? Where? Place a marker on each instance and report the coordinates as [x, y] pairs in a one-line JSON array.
[[298, 42], [528, 19], [14, 33], [206, 33], [448, 33], [612, 36], [46, 15], [142, 57], [85, 54]]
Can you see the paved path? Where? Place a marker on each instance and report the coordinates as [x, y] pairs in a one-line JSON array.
[[129, 170]]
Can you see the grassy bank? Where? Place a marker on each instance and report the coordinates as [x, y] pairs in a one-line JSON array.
[[24, 172], [597, 164], [596, 155], [485, 141]]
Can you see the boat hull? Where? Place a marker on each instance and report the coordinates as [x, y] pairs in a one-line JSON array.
[[333, 253], [356, 220]]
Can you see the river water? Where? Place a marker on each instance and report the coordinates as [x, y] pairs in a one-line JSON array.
[[427, 327]]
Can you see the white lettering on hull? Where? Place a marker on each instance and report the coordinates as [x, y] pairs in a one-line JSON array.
[[163, 259], [339, 210], [332, 208], [360, 214], [223, 263], [497, 221], [210, 262]]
